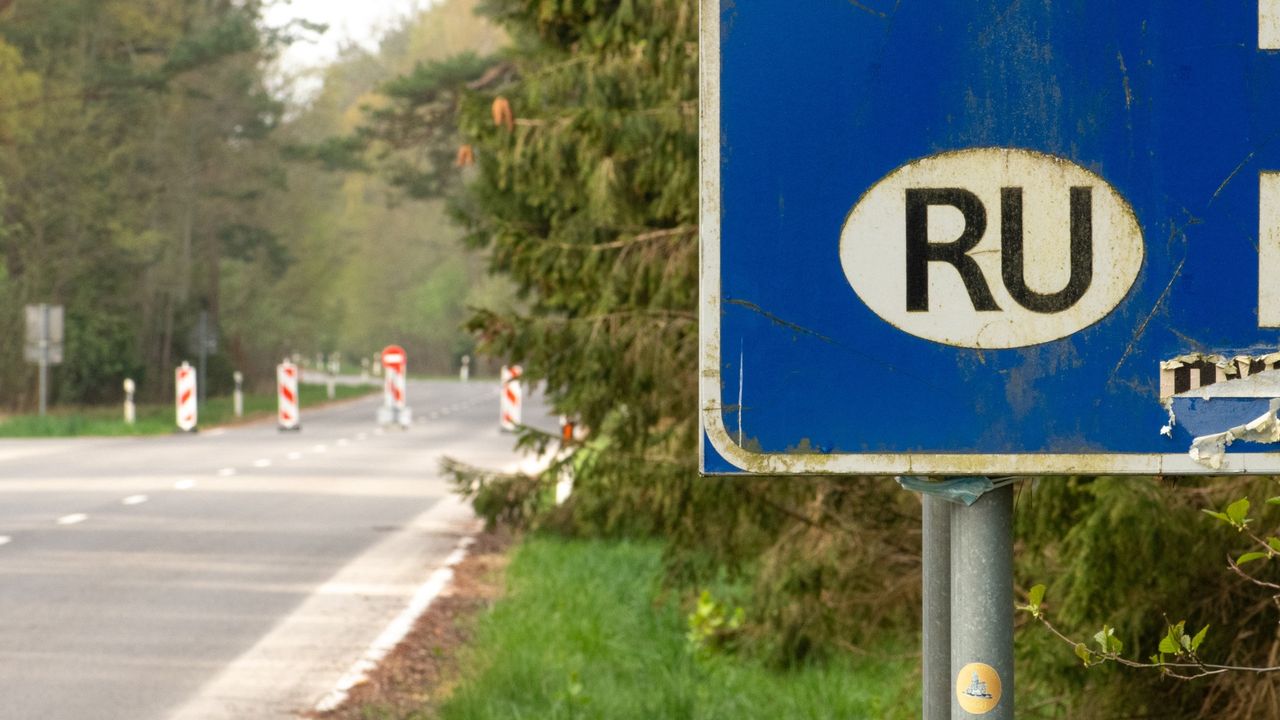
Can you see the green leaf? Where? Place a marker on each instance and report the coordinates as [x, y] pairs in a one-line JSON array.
[[1199, 638], [1218, 515], [1036, 596], [1107, 640], [1251, 556], [1238, 511], [1168, 645], [1083, 653], [1274, 543], [1273, 501]]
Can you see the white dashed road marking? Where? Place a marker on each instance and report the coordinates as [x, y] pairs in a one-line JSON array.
[[294, 456], [262, 462], [134, 500], [72, 519], [226, 472], [184, 484], [5, 539]]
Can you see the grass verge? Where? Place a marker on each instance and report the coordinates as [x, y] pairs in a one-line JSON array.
[[159, 419], [583, 634]]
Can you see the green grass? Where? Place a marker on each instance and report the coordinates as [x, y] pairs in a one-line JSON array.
[[580, 635], [158, 419]]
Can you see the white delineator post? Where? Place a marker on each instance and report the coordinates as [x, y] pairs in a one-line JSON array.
[[464, 374], [512, 398], [237, 397], [287, 413], [185, 396], [130, 409]]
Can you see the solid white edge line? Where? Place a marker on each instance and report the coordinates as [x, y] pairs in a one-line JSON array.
[[397, 630], [72, 519]]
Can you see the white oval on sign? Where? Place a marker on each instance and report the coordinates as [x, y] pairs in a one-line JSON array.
[[992, 248]]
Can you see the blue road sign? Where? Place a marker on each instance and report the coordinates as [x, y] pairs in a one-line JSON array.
[[979, 237]]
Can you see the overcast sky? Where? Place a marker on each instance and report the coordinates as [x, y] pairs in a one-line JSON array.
[[359, 21]]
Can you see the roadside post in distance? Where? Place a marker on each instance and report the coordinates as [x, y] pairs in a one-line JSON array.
[[237, 395], [130, 408]]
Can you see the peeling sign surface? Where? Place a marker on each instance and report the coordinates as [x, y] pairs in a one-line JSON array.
[[871, 306]]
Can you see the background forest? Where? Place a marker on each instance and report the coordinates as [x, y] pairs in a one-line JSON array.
[[148, 171]]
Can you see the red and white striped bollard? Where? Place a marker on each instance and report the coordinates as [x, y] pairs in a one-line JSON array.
[[395, 409], [184, 386], [512, 398], [288, 410]]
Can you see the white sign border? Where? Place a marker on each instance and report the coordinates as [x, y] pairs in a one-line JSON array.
[[711, 408]]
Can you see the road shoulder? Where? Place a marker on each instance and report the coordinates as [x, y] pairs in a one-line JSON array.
[[419, 674], [308, 653]]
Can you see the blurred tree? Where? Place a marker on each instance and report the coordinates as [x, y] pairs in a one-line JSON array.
[[147, 137]]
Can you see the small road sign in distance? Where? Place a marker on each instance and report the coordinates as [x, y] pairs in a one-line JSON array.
[[983, 238]]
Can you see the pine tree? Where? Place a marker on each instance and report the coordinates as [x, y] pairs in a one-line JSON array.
[[585, 138]]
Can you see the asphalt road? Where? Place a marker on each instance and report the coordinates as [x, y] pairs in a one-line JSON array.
[[233, 573]]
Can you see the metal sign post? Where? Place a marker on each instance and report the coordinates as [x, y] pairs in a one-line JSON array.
[[203, 341], [967, 632], [333, 367], [936, 615], [982, 607], [44, 344]]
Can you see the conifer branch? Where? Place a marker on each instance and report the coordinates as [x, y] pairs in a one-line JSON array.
[[667, 234]]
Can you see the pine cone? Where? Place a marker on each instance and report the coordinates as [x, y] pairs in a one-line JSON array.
[[503, 115]]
